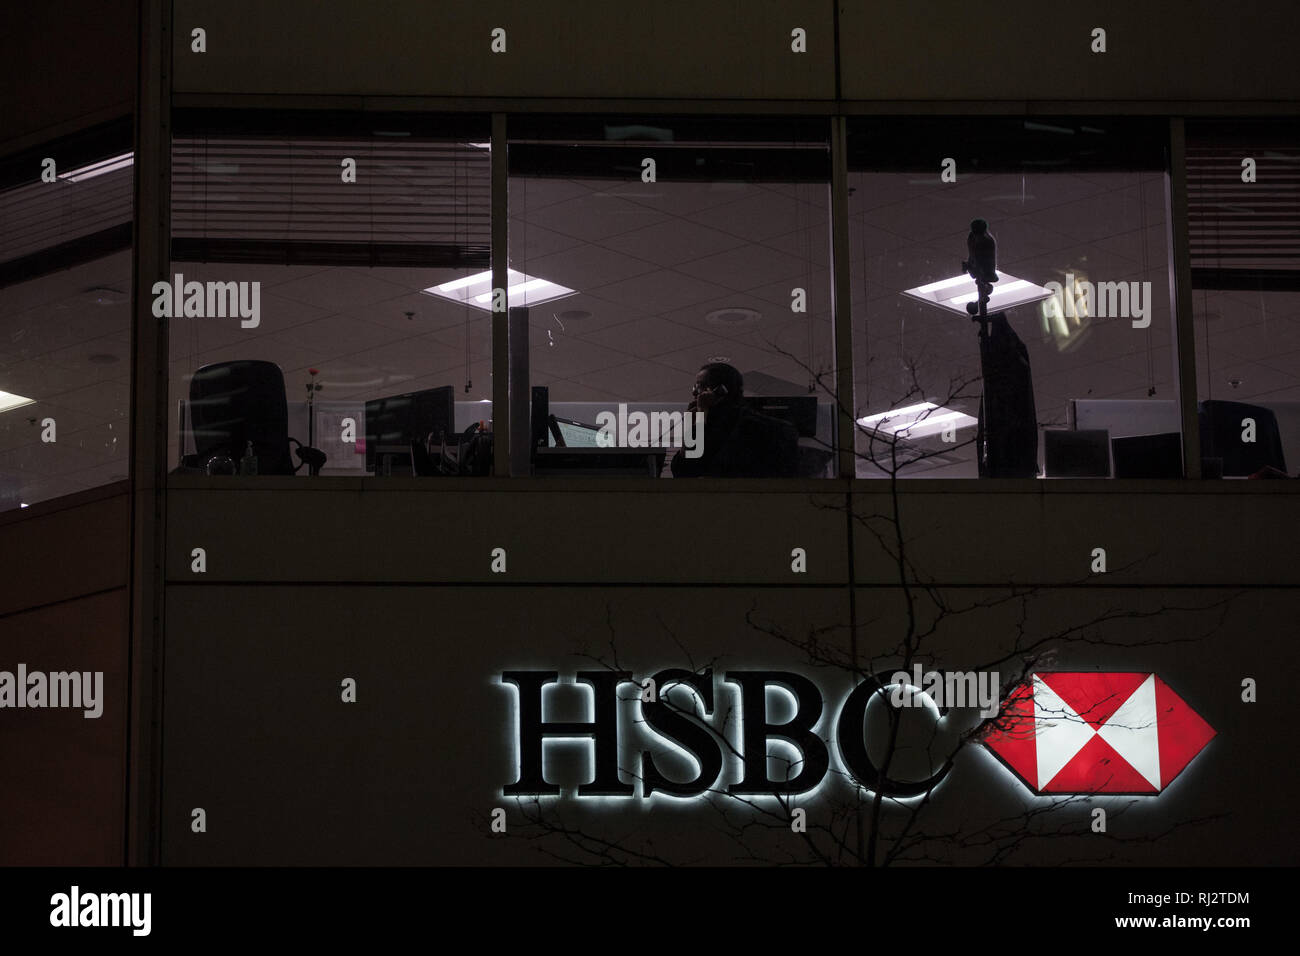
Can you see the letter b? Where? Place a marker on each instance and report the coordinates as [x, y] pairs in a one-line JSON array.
[[814, 758]]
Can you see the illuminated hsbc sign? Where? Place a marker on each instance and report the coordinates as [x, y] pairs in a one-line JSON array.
[[1059, 733]]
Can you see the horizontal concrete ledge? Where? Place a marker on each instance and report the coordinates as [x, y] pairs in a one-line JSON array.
[[707, 105], [376, 103], [783, 486]]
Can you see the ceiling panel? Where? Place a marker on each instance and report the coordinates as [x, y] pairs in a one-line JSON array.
[[40, 215]]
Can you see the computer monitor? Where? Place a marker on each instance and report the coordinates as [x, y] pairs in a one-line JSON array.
[[565, 432], [1148, 456], [399, 420], [799, 410], [1076, 454]]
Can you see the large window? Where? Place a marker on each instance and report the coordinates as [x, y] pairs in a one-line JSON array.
[[660, 268], [65, 316], [647, 250], [314, 254], [1075, 377], [1244, 225]]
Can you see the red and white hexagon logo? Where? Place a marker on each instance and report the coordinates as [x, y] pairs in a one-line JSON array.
[[1097, 733]]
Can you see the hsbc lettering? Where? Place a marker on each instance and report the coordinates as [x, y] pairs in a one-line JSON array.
[[668, 721]]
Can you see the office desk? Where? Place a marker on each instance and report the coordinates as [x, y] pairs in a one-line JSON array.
[[600, 462]]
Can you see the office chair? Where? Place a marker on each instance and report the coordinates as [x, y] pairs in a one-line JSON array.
[[234, 403], [1221, 428], [813, 461]]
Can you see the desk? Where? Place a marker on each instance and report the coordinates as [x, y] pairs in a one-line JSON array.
[[600, 462]]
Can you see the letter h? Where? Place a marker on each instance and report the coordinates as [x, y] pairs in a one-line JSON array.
[[533, 731]]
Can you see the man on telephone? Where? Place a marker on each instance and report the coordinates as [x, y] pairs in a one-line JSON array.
[[738, 442]]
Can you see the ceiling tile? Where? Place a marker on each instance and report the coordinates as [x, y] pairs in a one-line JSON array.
[[587, 266], [747, 266], [672, 241], [661, 291]]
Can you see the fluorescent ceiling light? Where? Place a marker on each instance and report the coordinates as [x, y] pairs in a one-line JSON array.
[[942, 284], [455, 284], [916, 421], [10, 401], [476, 290], [913, 410], [999, 292], [953, 294], [99, 168]]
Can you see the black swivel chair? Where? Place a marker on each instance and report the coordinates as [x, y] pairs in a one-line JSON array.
[[799, 412], [1221, 428], [234, 403]]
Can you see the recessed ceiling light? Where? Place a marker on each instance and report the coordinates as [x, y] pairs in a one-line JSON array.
[[916, 421], [9, 401], [98, 169], [103, 295], [733, 317], [720, 358], [521, 290]]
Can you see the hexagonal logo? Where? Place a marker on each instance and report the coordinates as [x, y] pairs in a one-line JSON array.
[[1119, 733]]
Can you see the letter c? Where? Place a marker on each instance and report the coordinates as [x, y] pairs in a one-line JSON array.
[[853, 746]]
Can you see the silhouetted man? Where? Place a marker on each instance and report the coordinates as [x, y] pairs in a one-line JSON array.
[[738, 442]]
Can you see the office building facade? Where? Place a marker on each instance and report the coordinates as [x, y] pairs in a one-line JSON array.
[[347, 352]]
